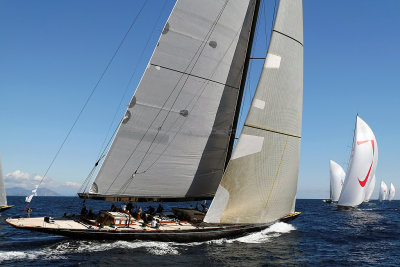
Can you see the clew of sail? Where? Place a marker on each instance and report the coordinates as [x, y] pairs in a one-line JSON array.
[[362, 165], [173, 140], [392, 192], [337, 175], [260, 182]]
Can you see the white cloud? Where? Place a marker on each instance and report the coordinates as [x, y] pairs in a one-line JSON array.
[[72, 184], [28, 181], [22, 179]]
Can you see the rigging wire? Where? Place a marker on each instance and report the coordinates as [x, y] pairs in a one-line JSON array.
[[196, 99], [88, 98], [102, 152], [196, 54], [134, 72], [200, 51]]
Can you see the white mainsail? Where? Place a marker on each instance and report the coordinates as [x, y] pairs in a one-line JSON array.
[[362, 165], [337, 176], [260, 182], [3, 196], [392, 192], [383, 191], [370, 189], [173, 141]]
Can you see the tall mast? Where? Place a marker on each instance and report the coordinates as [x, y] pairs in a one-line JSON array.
[[242, 84]]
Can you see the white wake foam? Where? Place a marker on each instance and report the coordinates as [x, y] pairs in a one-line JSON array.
[[156, 248], [72, 247]]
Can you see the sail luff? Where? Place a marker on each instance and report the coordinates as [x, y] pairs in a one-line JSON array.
[[260, 182], [173, 140], [3, 197]]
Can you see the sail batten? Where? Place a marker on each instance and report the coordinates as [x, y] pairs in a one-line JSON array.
[[263, 169], [174, 137]]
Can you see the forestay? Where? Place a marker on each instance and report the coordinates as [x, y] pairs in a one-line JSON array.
[[172, 142], [370, 189], [337, 175], [3, 197], [362, 165], [260, 182]]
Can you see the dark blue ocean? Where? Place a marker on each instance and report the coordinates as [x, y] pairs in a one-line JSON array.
[[321, 236]]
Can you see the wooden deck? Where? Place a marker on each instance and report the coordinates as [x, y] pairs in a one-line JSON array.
[[69, 224]]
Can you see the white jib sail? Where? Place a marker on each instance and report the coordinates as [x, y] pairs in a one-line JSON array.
[[337, 179], [3, 197], [362, 165], [370, 189], [260, 182], [383, 191], [392, 191]]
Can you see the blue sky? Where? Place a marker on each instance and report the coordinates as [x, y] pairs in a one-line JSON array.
[[53, 52]]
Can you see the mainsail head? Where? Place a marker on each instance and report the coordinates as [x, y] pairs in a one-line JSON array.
[[337, 176], [362, 165], [260, 182], [3, 197], [173, 140]]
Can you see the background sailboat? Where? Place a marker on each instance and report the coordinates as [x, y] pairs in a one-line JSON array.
[[383, 192], [3, 196], [362, 165], [370, 189], [337, 176], [392, 192]]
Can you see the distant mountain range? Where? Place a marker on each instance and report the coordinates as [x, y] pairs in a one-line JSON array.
[[19, 191]]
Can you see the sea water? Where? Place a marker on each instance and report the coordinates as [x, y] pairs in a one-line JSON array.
[[320, 236]]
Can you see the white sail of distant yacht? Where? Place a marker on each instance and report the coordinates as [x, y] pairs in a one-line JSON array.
[[383, 191], [3, 196], [337, 176], [370, 189], [362, 165], [392, 192]]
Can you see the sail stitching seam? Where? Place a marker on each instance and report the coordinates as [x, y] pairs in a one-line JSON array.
[[270, 130], [288, 36], [277, 172], [185, 73]]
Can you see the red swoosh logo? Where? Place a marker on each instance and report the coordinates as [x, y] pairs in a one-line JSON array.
[[363, 183]]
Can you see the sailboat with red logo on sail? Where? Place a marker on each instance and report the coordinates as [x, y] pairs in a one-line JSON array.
[[362, 165]]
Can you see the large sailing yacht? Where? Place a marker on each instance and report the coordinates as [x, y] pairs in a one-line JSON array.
[[175, 141]]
